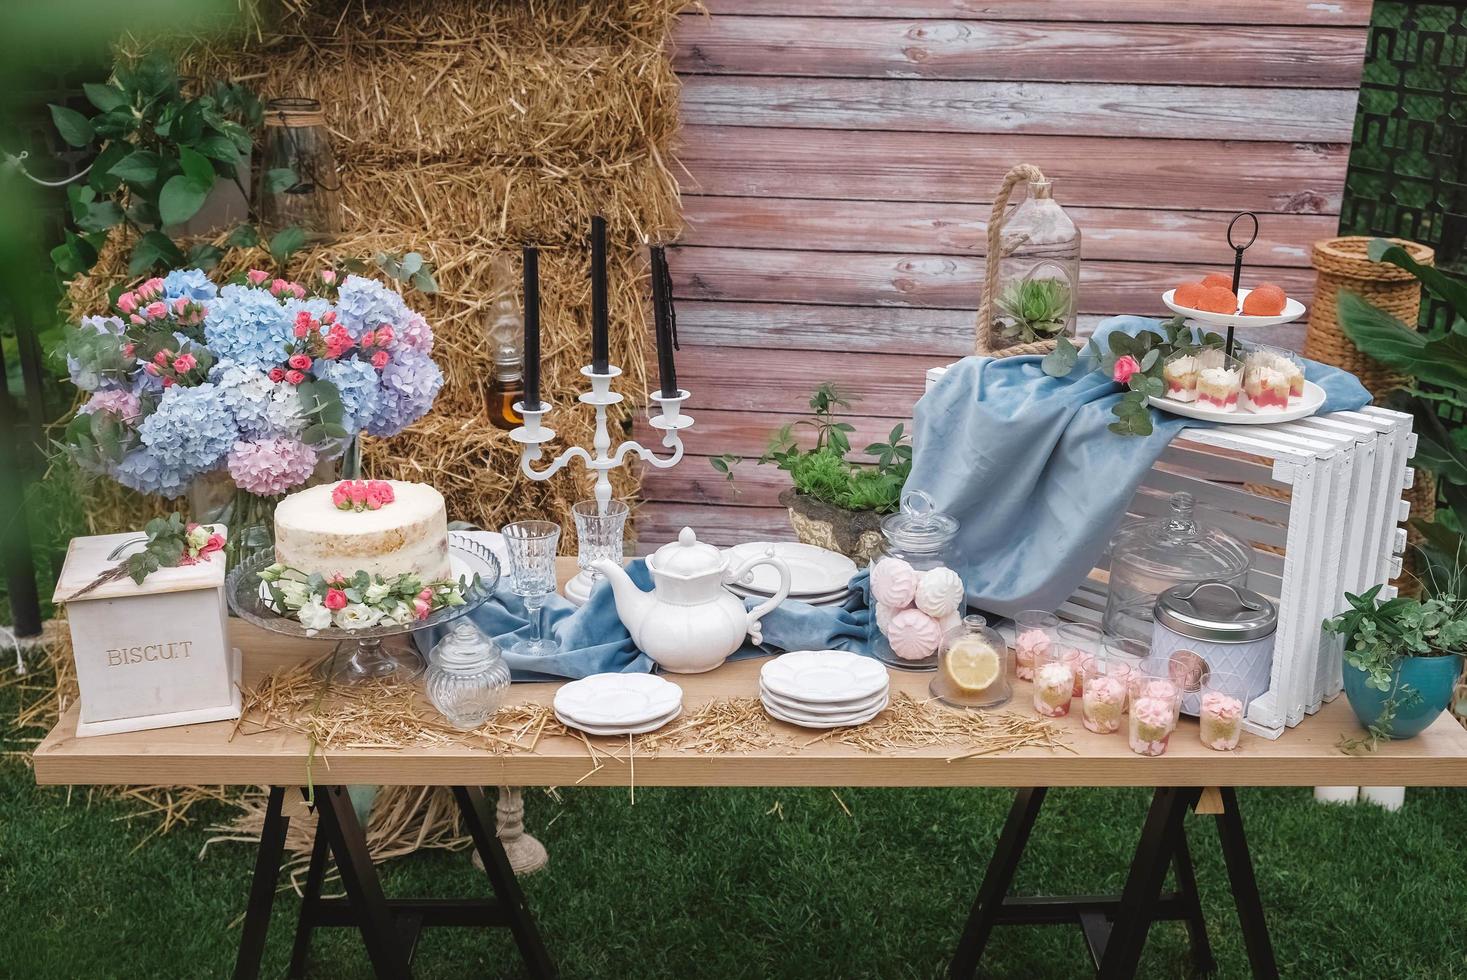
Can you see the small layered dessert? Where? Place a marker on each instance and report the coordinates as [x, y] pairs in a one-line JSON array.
[[1180, 375], [1152, 721], [1221, 717], [1054, 687], [1219, 387], [1029, 646], [1265, 390], [1103, 703]]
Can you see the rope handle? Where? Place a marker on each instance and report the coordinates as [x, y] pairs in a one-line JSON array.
[[984, 341]]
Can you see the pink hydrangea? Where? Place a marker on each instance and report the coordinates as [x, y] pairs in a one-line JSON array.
[[269, 467], [414, 332], [124, 404]]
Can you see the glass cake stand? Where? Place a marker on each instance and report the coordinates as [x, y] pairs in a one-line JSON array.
[[377, 652]]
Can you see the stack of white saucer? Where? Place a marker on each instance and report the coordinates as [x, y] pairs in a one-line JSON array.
[[823, 688], [618, 704], [818, 576]]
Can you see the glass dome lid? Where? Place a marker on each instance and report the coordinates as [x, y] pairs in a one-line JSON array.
[[919, 526], [1179, 549]]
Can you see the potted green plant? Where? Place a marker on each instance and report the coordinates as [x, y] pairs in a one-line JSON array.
[[1033, 309], [1402, 660], [834, 501]]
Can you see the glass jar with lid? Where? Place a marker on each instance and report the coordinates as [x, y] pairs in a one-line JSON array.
[[918, 598], [1147, 557], [972, 667], [467, 676]]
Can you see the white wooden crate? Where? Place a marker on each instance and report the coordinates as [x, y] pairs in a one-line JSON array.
[[1319, 500]]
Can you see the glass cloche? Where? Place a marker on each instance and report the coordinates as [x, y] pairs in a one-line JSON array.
[[1147, 557], [1038, 271]]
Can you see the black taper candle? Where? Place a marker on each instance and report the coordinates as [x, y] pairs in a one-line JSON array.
[[600, 340], [532, 328], [664, 320]]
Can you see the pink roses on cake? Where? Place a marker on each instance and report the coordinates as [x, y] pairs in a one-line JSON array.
[[362, 495]]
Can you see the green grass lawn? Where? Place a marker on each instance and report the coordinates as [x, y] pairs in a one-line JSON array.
[[722, 883]]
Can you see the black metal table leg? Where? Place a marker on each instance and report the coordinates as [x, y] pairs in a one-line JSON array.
[[262, 887], [1202, 959], [1245, 887], [338, 821], [310, 902], [1139, 898], [996, 881], [479, 816]]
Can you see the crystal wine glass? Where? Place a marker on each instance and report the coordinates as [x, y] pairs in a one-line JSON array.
[[532, 546], [600, 535]]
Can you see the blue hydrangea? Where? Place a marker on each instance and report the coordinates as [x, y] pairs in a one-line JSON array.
[[146, 473], [190, 431], [366, 304], [248, 326], [247, 393], [193, 284], [410, 382], [360, 388]]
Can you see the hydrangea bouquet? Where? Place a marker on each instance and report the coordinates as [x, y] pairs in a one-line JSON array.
[[260, 380]]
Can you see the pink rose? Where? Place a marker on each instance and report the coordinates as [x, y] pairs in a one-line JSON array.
[[301, 331], [1126, 365], [151, 369], [257, 276], [426, 595], [127, 302], [380, 359], [277, 375], [300, 362], [335, 599], [184, 363], [297, 290], [161, 358], [340, 497], [278, 286], [385, 335], [422, 607], [179, 305], [215, 543], [329, 316], [382, 490], [135, 318], [127, 349], [157, 310], [168, 382], [328, 276], [294, 377], [368, 339], [358, 491], [154, 286]]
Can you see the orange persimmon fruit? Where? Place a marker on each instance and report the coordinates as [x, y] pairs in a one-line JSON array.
[[1188, 294], [1217, 299], [1265, 299], [1218, 279]]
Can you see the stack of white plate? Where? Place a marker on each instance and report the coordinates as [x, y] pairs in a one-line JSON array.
[[618, 704], [817, 576], [823, 688]]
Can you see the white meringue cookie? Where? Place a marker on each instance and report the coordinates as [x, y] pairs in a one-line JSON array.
[[913, 634], [939, 592], [893, 582]]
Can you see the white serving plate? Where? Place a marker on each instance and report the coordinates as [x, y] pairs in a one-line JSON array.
[[829, 598], [613, 730], [816, 710], [1293, 310], [813, 571], [1309, 403], [617, 700], [824, 676], [823, 721]]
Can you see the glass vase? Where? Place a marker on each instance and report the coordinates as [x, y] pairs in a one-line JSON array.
[[1038, 270]]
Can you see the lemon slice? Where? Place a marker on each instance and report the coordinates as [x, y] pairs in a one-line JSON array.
[[972, 665]]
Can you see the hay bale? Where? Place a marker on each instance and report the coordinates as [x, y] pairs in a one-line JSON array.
[[465, 130]]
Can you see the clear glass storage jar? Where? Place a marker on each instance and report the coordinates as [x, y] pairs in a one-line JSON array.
[[1038, 270], [467, 676], [972, 667], [1147, 557], [918, 597]]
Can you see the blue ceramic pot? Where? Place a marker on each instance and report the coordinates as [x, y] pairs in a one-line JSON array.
[[1432, 677]]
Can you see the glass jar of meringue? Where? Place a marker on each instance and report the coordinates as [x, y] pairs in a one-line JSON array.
[[917, 598]]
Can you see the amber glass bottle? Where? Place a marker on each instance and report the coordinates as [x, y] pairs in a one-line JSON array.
[[506, 388]]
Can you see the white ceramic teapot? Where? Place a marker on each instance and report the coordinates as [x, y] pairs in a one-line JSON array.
[[690, 623]]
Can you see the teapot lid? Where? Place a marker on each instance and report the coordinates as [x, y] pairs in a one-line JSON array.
[[687, 556]]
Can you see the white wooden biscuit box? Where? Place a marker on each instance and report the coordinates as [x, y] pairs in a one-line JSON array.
[[154, 655]]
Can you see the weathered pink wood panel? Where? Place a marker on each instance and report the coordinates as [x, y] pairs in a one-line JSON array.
[[841, 155]]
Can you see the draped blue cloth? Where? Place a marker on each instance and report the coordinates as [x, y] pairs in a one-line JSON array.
[[1026, 464]]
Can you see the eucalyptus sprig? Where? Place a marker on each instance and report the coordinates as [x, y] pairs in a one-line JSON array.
[[171, 542], [1134, 360]]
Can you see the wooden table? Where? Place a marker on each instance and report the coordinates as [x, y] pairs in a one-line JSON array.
[[1115, 927]]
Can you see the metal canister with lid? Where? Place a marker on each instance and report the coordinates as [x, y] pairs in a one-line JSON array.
[[1207, 626]]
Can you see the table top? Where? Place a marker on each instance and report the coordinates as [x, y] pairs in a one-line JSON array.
[[211, 754]]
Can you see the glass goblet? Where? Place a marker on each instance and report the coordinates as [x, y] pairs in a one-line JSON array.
[[532, 546]]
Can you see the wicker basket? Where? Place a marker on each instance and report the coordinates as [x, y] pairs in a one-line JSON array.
[[1343, 265], [985, 340]]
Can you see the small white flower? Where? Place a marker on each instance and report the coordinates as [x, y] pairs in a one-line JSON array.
[[314, 615], [296, 593], [378, 591], [357, 616]]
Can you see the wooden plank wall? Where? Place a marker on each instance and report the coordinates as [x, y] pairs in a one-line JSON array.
[[841, 155]]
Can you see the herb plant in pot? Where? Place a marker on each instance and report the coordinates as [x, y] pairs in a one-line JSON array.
[[835, 502], [1402, 660]]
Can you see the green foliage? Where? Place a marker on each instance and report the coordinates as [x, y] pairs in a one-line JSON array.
[[159, 154], [1436, 361], [321, 403], [1033, 309], [1379, 635], [824, 472], [410, 270]]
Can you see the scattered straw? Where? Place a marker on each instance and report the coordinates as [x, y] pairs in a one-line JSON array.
[[909, 723]]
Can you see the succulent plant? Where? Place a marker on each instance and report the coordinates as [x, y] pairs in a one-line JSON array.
[[1033, 309]]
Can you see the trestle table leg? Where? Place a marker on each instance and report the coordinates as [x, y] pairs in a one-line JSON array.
[[262, 887], [1245, 888], [997, 881], [338, 821], [310, 902], [1202, 958], [479, 817], [1159, 840]]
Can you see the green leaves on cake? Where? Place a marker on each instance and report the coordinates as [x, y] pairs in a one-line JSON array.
[[358, 602]]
